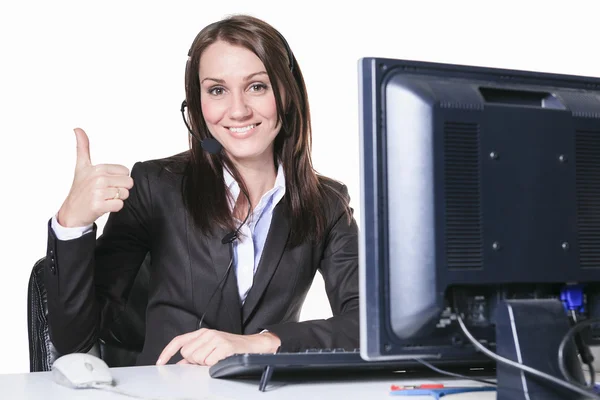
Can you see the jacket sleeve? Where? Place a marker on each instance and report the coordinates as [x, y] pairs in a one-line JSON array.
[[88, 280], [339, 267]]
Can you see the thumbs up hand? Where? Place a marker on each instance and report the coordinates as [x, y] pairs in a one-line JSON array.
[[96, 189]]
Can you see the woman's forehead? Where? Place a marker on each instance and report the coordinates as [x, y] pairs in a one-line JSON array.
[[224, 61]]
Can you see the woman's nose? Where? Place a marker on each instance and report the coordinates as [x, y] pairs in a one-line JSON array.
[[239, 108]]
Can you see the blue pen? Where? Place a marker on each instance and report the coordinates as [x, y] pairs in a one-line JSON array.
[[436, 393]]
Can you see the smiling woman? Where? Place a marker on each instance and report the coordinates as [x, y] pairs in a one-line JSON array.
[[221, 56], [244, 92], [239, 106]]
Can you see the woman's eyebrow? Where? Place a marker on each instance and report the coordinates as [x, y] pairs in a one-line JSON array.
[[255, 74], [222, 81]]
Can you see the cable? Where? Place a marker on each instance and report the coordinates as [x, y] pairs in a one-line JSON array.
[[113, 389], [229, 238], [592, 372], [573, 299], [218, 286], [452, 374], [576, 388], [575, 329]]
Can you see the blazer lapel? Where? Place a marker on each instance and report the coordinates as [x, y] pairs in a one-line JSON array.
[[269, 260], [229, 295]]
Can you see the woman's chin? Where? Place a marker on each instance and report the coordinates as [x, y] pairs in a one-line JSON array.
[[241, 154]]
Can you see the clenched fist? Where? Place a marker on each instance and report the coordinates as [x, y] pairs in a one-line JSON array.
[[96, 189]]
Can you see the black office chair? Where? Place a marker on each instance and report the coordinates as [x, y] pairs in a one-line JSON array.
[[119, 344]]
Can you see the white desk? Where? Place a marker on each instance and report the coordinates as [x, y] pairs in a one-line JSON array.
[[193, 382]]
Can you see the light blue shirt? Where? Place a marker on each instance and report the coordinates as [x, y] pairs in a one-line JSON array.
[[248, 249]]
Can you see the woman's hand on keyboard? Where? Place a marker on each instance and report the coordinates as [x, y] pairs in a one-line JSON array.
[[208, 346]]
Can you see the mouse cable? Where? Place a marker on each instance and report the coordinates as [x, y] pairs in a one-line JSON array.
[[114, 389], [583, 390]]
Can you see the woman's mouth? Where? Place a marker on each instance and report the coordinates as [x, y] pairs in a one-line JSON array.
[[242, 131]]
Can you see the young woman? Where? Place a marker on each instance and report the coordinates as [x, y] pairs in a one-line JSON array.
[[236, 227]]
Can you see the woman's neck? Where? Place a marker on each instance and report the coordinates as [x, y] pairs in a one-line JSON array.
[[259, 177]]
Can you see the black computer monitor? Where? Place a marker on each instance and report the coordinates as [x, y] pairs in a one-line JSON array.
[[480, 198]]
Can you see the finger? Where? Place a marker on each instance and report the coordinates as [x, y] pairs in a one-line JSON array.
[[217, 355], [202, 353], [114, 193], [113, 169], [182, 361], [187, 351], [105, 181], [83, 148], [114, 205], [175, 344]]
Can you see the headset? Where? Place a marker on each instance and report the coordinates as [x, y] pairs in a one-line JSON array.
[[211, 145]]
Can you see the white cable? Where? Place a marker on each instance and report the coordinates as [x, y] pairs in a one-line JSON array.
[[523, 367], [114, 389]]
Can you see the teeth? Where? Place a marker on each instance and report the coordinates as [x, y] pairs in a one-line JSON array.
[[242, 130]]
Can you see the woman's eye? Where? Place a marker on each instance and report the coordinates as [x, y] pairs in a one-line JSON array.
[[216, 91], [258, 87]]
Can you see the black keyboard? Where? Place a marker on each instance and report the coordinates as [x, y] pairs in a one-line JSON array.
[[314, 362]]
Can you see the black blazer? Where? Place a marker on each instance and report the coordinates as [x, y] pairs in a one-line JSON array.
[[88, 280]]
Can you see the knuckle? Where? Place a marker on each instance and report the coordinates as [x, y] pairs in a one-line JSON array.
[[210, 334], [214, 357], [185, 352], [176, 342], [98, 194], [197, 358], [100, 181]]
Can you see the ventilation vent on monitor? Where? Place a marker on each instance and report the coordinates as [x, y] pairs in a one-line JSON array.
[[581, 104], [587, 170], [461, 106], [586, 114], [464, 241]]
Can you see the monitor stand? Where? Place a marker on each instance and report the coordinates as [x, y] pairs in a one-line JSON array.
[[530, 331]]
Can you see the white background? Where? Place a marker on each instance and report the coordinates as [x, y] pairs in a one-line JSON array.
[[115, 68]]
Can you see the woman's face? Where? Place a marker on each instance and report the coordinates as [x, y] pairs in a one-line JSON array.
[[238, 103]]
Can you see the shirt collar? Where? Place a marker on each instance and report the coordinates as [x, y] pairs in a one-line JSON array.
[[277, 191]]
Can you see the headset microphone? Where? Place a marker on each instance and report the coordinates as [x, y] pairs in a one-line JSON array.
[[211, 145], [230, 237]]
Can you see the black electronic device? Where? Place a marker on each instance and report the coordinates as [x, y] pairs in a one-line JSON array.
[[319, 363], [480, 202]]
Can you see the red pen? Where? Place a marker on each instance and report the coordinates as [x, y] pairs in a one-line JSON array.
[[421, 386]]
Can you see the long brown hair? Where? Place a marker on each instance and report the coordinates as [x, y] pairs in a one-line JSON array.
[[204, 189]]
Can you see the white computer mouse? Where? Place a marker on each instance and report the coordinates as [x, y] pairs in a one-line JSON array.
[[81, 370]]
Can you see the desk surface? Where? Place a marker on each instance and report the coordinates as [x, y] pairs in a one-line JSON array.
[[193, 382]]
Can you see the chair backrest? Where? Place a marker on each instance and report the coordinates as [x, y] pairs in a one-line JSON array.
[[41, 350], [118, 344]]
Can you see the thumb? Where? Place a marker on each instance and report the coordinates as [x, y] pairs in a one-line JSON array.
[[83, 148]]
